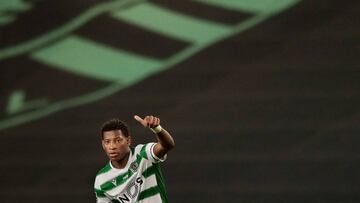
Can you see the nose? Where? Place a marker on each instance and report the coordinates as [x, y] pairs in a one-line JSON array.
[[112, 145]]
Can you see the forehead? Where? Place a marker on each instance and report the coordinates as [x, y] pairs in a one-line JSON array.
[[113, 134]]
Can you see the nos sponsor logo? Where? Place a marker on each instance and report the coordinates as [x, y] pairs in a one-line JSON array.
[[132, 191]]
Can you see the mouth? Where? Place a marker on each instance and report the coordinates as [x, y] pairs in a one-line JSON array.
[[113, 155]]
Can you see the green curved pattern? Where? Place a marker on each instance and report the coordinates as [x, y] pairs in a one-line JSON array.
[[14, 6], [254, 6], [65, 29], [94, 60]]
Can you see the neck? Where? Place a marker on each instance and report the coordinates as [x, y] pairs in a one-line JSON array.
[[122, 162]]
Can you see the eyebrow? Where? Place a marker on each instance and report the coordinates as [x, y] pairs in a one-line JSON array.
[[115, 138]]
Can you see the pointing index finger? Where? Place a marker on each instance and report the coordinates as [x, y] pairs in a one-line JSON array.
[[136, 117], [140, 120]]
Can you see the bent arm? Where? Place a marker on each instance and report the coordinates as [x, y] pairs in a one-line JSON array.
[[165, 143], [165, 140]]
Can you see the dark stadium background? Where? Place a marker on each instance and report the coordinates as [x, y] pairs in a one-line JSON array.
[[268, 114]]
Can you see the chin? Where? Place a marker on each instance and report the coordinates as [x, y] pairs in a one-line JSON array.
[[114, 159]]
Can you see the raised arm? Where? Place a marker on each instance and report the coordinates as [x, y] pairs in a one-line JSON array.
[[165, 140]]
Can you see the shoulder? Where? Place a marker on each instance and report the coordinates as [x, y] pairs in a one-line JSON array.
[[146, 151], [104, 169], [100, 175], [141, 148]]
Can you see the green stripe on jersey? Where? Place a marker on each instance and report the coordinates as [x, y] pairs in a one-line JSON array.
[[161, 183], [105, 169], [149, 171], [148, 193], [155, 169], [143, 152]]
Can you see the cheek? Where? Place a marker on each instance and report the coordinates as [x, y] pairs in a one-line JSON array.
[[105, 149], [124, 146]]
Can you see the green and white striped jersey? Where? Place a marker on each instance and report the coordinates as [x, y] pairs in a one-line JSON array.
[[139, 181]]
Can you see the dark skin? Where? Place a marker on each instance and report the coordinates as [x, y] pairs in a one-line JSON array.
[[117, 146]]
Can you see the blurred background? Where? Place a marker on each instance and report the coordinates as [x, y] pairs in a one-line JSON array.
[[261, 96]]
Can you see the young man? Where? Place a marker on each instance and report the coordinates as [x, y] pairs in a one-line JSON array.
[[132, 174]]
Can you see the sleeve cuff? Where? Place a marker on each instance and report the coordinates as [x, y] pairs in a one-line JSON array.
[[156, 159]]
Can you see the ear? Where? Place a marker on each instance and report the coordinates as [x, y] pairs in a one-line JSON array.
[[129, 140]]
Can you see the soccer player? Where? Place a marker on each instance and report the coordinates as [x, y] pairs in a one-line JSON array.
[[132, 174]]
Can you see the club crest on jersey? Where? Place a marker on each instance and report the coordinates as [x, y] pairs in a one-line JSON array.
[[114, 181], [134, 167]]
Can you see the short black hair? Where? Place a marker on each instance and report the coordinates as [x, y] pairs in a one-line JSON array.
[[115, 124]]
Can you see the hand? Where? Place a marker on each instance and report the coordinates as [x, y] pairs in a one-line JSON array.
[[148, 121]]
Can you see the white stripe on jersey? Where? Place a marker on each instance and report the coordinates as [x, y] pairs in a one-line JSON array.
[[150, 182]]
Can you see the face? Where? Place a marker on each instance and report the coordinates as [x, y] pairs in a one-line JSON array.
[[115, 144]]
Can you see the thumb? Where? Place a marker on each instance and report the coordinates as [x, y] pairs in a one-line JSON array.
[[140, 120]]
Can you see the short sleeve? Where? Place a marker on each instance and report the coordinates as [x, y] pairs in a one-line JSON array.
[[149, 148]]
